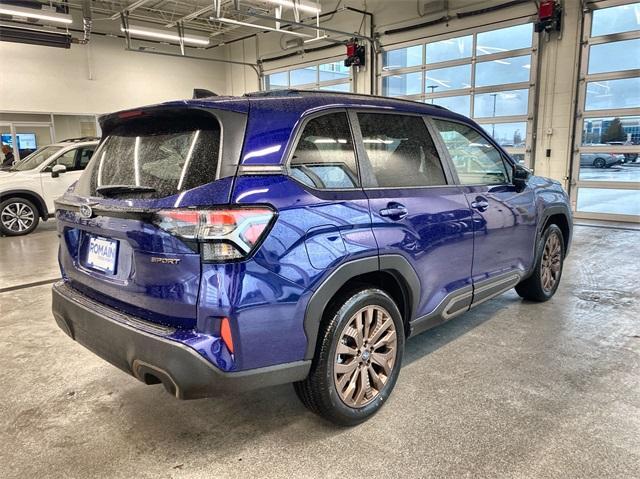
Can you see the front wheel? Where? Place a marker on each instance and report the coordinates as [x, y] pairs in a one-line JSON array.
[[18, 217], [544, 281], [357, 360]]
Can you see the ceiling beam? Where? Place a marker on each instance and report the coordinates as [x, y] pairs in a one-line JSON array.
[[130, 8]]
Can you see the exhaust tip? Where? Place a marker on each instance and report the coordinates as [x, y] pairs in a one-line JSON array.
[[150, 375]]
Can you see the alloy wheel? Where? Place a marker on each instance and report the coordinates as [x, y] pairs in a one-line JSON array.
[[17, 217], [365, 356], [551, 262]]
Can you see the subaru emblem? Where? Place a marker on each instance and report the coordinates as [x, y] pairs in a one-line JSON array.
[[86, 211]]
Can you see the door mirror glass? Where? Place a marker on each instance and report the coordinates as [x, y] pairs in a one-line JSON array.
[[520, 175], [56, 170]]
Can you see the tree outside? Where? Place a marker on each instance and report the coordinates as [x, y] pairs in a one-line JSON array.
[[614, 132]]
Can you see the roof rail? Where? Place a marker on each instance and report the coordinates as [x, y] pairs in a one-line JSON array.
[[290, 91], [82, 138]]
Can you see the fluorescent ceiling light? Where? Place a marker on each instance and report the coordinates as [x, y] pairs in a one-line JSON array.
[[47, 15], [166, 35], [303, 7], [260, 27]]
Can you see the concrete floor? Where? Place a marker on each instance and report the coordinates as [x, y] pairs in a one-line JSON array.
[[511, 389]]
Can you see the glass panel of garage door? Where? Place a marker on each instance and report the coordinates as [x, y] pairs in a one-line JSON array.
[[457, 104], [504, 39], [610, 149], [624, 18], [401, 85]]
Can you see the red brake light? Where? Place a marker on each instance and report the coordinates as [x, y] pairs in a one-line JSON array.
[[130, 114], [225, 234]]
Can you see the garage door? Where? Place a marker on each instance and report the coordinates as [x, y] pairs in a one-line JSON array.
[[606, 161]]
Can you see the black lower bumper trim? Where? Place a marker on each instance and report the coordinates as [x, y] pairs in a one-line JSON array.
[[152, 358]]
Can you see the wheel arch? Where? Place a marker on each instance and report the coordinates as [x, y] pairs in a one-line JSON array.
[[560, 216], [391, 273], [32, 196]]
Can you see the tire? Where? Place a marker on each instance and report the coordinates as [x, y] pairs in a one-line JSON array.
[[362, 366], [543, 283], [18, 216], [599, 163]]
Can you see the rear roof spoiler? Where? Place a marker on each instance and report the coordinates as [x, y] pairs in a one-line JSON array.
[[202, 93]]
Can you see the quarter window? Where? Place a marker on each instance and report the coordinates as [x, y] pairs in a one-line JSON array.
[[324, 157], [400, 150], [476, 161]]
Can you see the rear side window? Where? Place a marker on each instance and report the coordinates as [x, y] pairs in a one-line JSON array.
[[85, 156], [400, 150], [476, 161], [324, 157], [161, 156]]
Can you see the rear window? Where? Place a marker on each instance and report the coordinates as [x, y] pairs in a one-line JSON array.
[[154, 158]]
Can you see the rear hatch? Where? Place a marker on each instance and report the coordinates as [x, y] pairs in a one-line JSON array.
[[126, 229]]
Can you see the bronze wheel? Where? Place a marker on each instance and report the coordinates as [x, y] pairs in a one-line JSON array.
[[551, 262], [365, 356]]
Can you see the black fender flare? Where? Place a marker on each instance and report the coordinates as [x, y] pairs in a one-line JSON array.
[[550, 211], [547, 213], [38, 200], [395, 264]]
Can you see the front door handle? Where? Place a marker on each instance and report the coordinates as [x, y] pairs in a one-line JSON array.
[[480, 203], [395, 211]]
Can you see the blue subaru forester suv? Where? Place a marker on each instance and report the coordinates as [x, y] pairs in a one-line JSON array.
[[229, 243]]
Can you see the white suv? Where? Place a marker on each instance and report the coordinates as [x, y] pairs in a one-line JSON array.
[[28, 188]]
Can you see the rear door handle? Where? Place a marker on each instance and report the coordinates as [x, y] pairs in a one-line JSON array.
[[480, 203], [395, 211]]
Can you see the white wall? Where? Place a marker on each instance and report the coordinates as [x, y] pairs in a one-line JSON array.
[[99, 77]]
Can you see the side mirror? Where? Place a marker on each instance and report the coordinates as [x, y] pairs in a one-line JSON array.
[[57, 170], [520, 175]]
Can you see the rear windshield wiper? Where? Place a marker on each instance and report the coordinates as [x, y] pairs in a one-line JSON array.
[[117, 189]]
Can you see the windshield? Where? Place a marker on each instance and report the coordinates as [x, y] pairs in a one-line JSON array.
[[153, 159], [36, 158]]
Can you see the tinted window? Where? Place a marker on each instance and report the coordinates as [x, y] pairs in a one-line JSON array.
[[476, 161], [167, 154], [324, 157], [67, 159], [84, 157], [400, 150]]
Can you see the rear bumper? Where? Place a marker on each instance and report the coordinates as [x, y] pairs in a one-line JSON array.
[[139, 348]]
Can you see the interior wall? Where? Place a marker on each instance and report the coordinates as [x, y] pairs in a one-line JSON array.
[[100, 77]]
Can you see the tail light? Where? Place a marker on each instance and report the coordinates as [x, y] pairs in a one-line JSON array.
[[224, 234]]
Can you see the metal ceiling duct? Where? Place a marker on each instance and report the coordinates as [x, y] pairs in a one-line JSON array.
[[32, 36]]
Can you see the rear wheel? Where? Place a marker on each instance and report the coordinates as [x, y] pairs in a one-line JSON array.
[[599, 163], [18, 216], [357, 360], [544, 281]]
